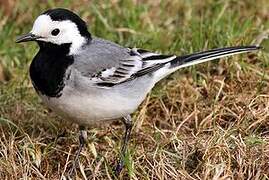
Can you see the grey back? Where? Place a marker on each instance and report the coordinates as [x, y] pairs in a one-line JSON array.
[[99, 54]]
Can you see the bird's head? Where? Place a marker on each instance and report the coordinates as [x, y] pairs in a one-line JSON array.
[[58, 27]]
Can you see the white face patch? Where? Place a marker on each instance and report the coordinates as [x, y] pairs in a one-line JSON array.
[[69, 33]]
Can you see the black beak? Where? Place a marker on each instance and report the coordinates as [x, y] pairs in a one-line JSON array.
[[27, 37]]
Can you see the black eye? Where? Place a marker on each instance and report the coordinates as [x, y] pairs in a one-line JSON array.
[[55, 32]]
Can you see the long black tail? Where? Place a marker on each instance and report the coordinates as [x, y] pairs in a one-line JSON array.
[[200, 57]]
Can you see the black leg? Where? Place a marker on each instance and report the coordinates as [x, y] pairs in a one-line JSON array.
[[82, 142], [128, 128]]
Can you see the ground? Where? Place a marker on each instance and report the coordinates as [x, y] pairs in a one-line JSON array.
[[209, 121]]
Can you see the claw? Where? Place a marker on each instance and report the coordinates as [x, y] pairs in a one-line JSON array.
[[82, 141], [128, 128]]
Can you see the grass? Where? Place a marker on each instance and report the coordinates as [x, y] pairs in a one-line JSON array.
[[209, 121]]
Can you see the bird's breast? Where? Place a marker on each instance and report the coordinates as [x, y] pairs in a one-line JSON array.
[[48, 72]]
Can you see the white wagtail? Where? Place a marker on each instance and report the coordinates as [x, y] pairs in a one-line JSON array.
[[89, 80]]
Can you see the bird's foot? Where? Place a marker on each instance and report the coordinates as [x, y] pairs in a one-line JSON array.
[[82, 141], [128, 127], [119, 167]]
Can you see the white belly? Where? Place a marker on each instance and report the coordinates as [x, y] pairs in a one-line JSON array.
[[87, 109]]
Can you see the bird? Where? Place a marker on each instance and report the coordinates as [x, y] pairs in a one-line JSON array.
[[89, 80]]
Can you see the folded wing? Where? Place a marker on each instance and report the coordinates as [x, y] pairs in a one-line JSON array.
[[139, 63]]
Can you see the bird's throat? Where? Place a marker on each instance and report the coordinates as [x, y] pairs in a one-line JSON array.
[[48, 69]]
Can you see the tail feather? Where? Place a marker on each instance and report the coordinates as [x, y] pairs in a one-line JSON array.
[[200, 57], [196, 58]]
